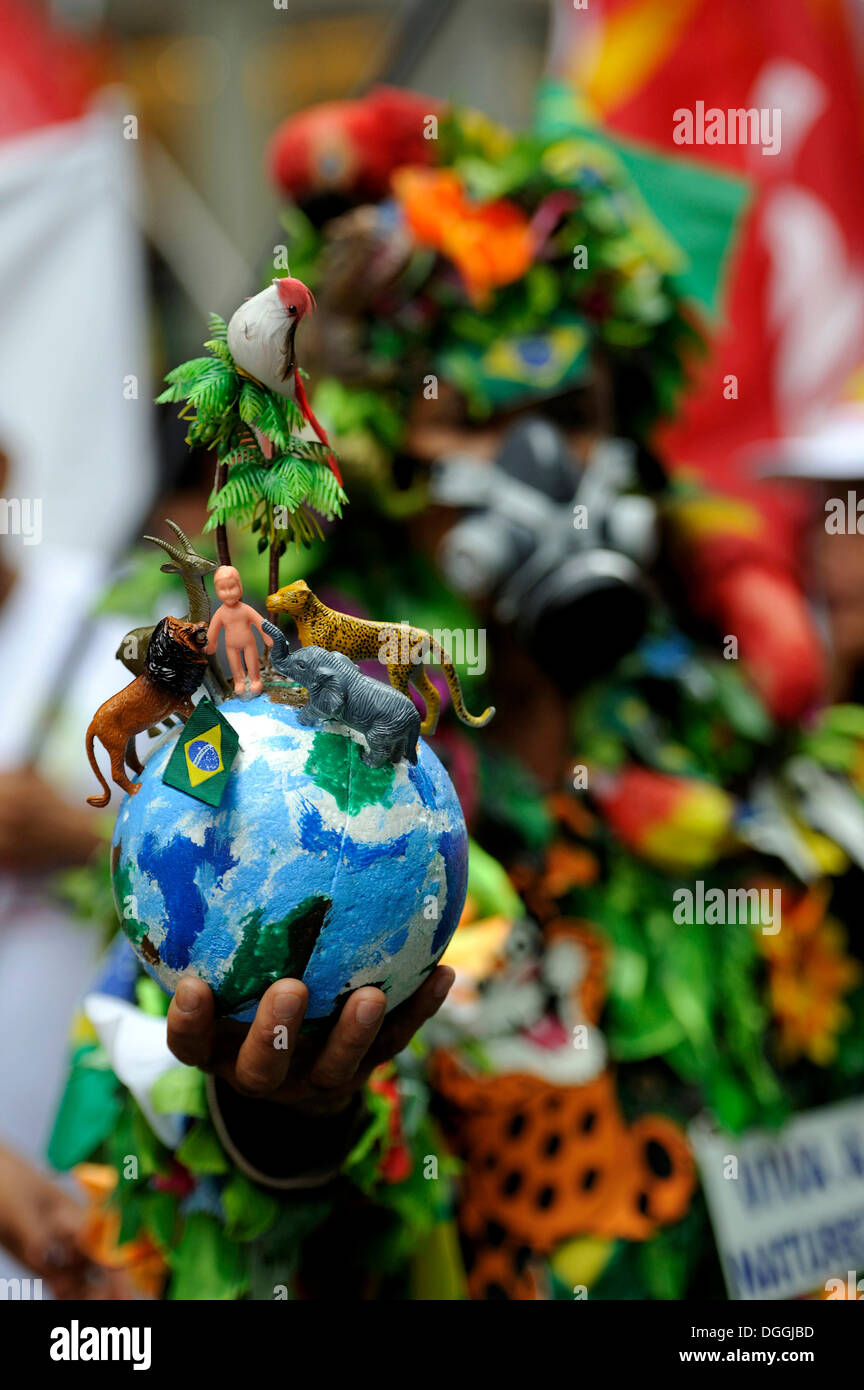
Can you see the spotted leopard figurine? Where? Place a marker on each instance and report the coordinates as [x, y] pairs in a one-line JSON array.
[[403, 649]]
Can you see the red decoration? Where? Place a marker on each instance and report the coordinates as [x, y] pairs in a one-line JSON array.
[[351, 147]]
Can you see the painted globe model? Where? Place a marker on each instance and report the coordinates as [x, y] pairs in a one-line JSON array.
[[313, 866]]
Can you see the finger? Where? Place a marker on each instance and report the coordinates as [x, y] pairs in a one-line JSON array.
[[190, 1022], [51, 1244], [352, 1036], [67, 1220], [405, 1021], [265, 1055]]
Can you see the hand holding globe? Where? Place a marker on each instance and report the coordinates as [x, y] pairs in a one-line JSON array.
[[268, 1059]]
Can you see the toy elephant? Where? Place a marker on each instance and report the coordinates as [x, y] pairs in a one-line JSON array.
[[338, 690]]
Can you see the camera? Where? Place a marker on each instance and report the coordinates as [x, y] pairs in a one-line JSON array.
[[557, 547]]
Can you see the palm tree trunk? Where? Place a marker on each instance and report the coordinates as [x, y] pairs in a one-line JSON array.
[[221, 530], [273, 575]]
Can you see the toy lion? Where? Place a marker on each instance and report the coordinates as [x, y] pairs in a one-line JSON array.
[[173, 669]]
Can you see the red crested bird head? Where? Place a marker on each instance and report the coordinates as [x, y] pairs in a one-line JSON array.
[[295, 298]]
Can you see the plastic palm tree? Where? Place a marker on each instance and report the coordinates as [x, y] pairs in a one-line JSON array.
[[285, 496]]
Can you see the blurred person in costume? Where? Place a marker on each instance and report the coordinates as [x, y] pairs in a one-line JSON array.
[[676, 746], [828, 462], [531, 1139], [791, 333]]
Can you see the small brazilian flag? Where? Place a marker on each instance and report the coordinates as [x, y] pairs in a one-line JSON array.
[[202, 760]]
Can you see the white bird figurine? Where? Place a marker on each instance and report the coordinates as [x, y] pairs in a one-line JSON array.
[[261, 341]]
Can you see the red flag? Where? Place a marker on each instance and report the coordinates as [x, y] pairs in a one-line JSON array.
[[794, 327]]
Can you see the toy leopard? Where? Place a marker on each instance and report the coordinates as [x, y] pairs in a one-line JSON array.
[[401, 648]]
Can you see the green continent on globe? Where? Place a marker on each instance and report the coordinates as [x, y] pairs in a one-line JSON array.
[[273, 951]]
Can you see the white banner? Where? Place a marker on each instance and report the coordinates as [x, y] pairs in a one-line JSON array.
[[787, 1206]]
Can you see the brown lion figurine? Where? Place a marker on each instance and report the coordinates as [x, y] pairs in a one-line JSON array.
[[173, 669]]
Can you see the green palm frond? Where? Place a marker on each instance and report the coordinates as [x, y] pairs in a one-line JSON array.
[[187, 373], [217, 328], [238, 499], [307, 527], [223, 408], [326, 494], [252, 401], [219, 348], [295, 482], [245, 452], [273, 422], [181, 379], [310, 449], [214, 391], [288, 483], [171, 393], [281, 420], [293, 417]]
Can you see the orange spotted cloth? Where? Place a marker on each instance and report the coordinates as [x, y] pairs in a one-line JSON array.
[[545, 1163]]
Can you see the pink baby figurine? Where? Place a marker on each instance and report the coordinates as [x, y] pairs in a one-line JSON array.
[[238, 619]]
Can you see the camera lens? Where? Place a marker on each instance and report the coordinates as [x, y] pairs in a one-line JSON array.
[[585, 616]]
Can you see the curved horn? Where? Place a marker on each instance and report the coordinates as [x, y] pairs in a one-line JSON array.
[[188, 560], [177, 555], [199, 563], [181, 535]]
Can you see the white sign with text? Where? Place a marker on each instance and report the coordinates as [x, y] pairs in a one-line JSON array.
[[787, 1206]]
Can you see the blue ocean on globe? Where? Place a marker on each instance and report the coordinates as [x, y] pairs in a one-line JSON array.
[[314, 866]]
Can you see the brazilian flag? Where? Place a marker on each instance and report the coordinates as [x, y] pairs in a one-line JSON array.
[[520, 367], [201, 762]]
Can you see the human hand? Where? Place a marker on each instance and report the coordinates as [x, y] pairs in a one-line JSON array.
[[38, 828], [268, 1059], [42, 1226]]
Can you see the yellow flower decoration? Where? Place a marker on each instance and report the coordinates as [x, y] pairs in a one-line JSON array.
[[809, 972]]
